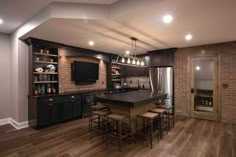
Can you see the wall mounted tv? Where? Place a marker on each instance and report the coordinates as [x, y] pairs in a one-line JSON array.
[[84, 72]]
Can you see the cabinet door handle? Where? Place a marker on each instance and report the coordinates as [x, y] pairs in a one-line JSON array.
[[50, 99], [72, 97]]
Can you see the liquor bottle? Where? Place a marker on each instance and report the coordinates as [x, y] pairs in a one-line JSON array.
[[49, 90], [39, 90], [43, 89], [36, 92], [53, 89]]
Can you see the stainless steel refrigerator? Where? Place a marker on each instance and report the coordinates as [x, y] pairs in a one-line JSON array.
[[161, 81]]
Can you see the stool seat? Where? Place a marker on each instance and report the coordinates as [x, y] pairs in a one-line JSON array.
[[101, 113], [166, 106], [98, 107], [158, 110], [148, 115], [117, 117]]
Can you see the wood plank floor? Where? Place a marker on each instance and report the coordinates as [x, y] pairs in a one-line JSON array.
[[189, 138]]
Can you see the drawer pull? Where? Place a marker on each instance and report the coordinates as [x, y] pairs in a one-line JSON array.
[[50, 99], [72, 97]]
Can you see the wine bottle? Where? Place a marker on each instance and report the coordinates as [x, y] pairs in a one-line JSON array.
[[49, 89]]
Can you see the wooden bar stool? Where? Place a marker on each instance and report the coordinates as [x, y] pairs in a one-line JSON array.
[[163, 119], [98, 122], [95, 108], [170, 115], [149, 128], [118, 128]]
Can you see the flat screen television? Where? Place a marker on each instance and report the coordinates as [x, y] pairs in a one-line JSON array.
[[84, 72]]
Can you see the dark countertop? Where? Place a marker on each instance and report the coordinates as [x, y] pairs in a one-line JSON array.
[[86, 91], [131, 98]]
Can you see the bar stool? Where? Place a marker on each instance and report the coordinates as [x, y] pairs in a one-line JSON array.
[[170, 115], [98, 122], [149, 128], [116, 130], [163, 119], [96, 108]]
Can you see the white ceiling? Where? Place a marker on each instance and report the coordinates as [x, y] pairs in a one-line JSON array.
[[209, 21], [17, 12]]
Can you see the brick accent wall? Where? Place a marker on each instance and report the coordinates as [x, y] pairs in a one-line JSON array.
[[66, 83], [228, 76]]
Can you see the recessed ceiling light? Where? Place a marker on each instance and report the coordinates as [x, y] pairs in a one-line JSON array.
[[91, 43], [1, 21], [198, 68], [188, 37], [167, 19], [127, 52]]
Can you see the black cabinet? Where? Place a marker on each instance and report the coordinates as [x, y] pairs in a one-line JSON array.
[[162, 58], [88, 100], [132, 71], [48, 111], [71, 107]]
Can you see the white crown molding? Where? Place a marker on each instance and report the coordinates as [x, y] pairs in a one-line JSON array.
[[14, 123]]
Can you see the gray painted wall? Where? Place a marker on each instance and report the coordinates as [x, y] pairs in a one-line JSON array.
[[5, 60], [19, 80]]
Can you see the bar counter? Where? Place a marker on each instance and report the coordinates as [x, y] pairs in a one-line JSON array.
[[131, 103]]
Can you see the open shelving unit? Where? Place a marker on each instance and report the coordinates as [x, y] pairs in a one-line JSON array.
[[43, 82], [115, 74]]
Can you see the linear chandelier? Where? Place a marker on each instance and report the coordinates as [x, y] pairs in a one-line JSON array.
[[132, 60]]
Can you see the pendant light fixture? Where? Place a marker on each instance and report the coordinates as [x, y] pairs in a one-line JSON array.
[[123, 60], [131, 58]]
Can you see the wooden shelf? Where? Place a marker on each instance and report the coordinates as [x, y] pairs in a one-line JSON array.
[[44, 54], [47, 73], [115, 80], [44, 62], [115, 68], [41, 82]]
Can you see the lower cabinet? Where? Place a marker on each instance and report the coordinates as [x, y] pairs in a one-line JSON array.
[[71, 107], [51, 110]]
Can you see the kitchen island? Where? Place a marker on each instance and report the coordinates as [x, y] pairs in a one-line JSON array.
[[131, 103]]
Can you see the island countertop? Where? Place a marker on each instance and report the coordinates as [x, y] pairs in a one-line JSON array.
[[131, 99]]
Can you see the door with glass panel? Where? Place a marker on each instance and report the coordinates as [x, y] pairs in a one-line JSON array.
[[203, 87]]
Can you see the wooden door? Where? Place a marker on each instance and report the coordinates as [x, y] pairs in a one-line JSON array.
[[203, 87]]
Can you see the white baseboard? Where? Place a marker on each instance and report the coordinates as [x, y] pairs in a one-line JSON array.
[[14, 123], [4, 121]]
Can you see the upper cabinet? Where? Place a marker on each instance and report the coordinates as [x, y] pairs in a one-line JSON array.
[[162, 57], [132, 71]]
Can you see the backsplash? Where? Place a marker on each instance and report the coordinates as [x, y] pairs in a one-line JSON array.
[[137, 81]]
